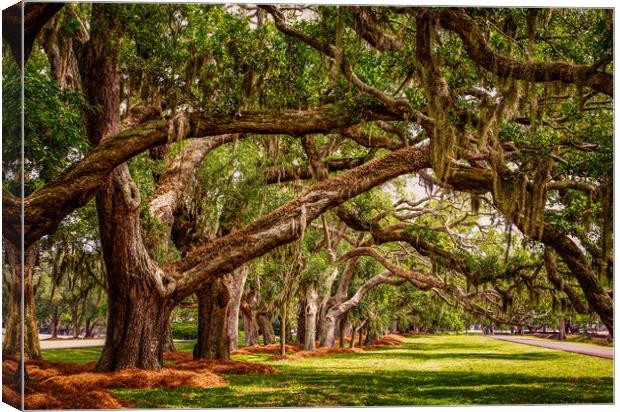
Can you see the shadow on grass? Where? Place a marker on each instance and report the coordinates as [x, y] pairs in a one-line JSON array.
[[298, 387], [530, 356]]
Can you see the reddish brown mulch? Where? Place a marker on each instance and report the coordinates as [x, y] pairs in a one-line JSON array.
[[388, 340], [273, 348], [63, 385]]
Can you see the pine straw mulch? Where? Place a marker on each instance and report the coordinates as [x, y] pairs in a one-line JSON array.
[[388, 340], [272, 348], [66, 385]]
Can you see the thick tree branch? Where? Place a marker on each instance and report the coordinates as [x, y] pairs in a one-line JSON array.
[[46, 207], [165, 199], [35, 17], [287, 174], [288, 222], [481, 52], [366, 26], [556, 279]]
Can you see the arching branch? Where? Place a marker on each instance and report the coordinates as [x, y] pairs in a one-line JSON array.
[[481, 52]]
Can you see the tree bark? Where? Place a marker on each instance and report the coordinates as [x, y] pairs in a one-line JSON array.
[[283, 327], [236, 291], [562, 329], [55, 323], [266, 328], [12, 344], [301, 323], [138, 307], [328, 330], [248, 311], [35, 17], [310, 316], [342, 329], [168, 340], [213, 300]]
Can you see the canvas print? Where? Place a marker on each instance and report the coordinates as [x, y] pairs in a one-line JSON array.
[[293, 205]]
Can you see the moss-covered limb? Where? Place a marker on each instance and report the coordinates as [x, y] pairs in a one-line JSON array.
[[443, 136], [481, 52], [397, 106], [598, 297], [365, 24], [293, 122], [284, 225], [35, 17], [356, 134], [287, 174], [46, 207], [556, 280]]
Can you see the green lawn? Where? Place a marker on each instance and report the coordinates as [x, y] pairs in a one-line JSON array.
[[425, 370]]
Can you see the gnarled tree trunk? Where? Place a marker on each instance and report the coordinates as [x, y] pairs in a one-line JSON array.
[[213, 341]]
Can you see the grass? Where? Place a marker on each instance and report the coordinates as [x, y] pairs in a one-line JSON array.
[[425, 370]]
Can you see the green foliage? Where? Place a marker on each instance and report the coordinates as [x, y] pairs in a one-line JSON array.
[[53, 134], [184, 330], [452, 320]]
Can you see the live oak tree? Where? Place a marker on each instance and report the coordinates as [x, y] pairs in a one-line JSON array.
[[510, 106]]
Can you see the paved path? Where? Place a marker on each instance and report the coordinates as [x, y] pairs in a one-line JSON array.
[[80, 343], [600, 352], [71, 343]]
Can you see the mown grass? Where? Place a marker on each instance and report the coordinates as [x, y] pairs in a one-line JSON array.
[[425, 370]]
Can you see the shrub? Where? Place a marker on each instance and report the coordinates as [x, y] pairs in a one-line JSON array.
[[184, 330]]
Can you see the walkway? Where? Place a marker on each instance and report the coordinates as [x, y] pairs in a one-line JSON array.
[[598, 351], [71, 343]]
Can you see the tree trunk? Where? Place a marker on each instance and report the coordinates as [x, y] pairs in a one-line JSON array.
[[394, 326], [289, 333], [283, 327], [352, 342], [301, 323], [213, 341], [311, 311], [328, 331], [236, 291], [138, 309], [87, 328], [562, 329], [55, 323], [264, 323], [359, 343], [251, 329], [168, 340], [12, 338], [136, 327]]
